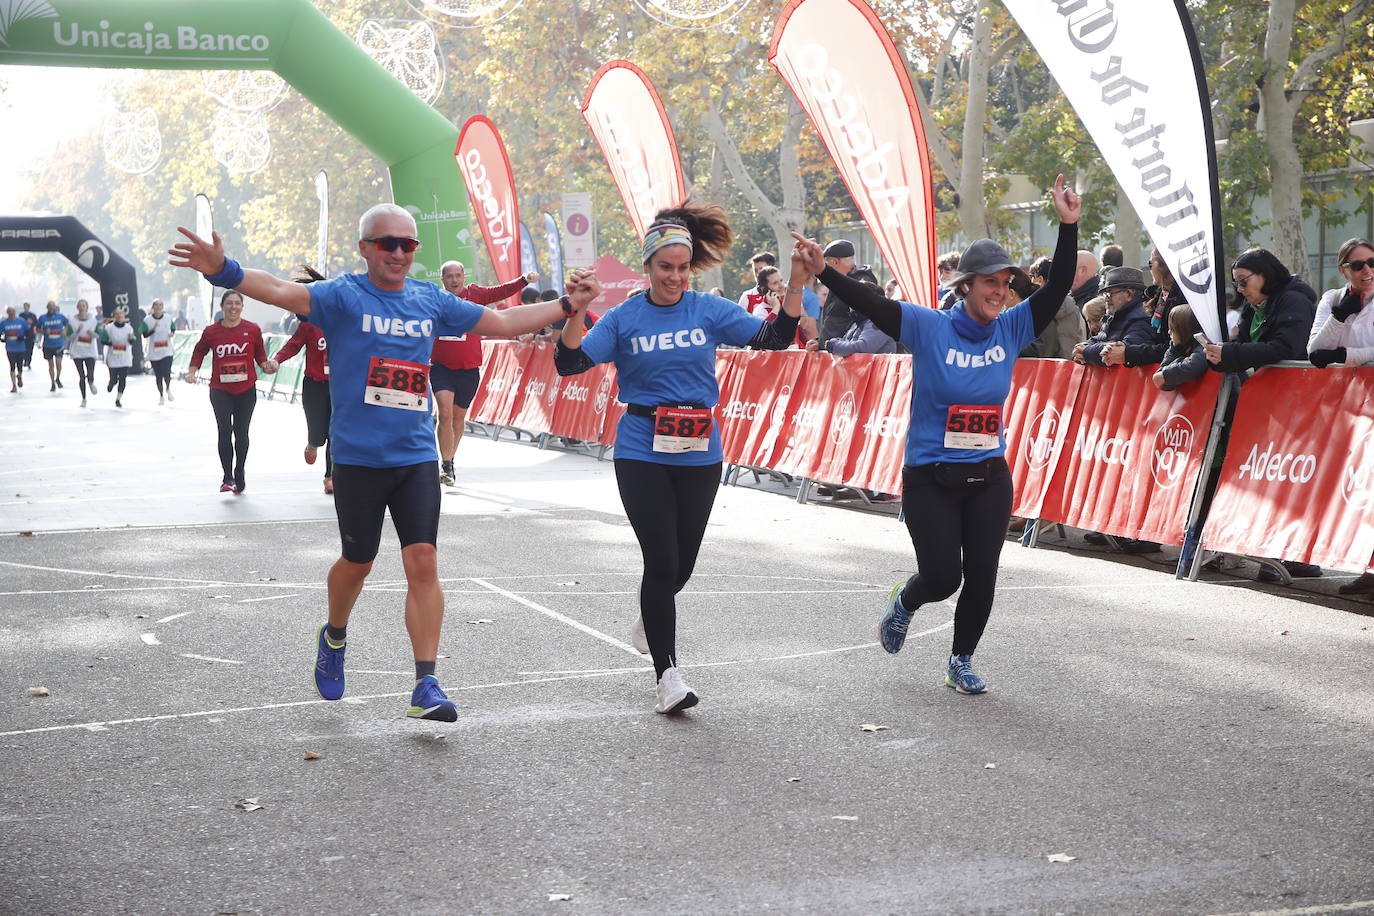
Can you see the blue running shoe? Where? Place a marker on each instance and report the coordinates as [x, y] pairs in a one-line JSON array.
[[959, 675], [329, 666], [430, 702], [892, 628]]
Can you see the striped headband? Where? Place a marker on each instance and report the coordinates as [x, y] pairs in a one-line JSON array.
[[662, 236]]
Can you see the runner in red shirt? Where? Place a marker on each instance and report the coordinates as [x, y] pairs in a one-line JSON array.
[[456, 362], [314, 387], [235, 346]]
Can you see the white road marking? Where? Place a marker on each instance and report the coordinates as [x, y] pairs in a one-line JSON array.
[[150, 639], [211, 658], [195, 582], [561, 618], [107, 591], [172, 617], [267, 598], [1310, 910]]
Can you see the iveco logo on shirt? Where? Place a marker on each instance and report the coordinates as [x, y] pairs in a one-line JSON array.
[[965, 360], [397, 327], [668, 340]]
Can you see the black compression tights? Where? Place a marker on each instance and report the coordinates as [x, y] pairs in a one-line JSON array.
[[668, 506], [85, 373], [118, 376], [162, 372], [956, 530], [233, 413]]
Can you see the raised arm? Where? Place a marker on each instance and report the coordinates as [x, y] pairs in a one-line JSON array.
[[208, 258], [1045, 302], [582, 289]]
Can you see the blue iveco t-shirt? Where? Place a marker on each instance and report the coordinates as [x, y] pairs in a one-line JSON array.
[[14, 330], [811, 303], [381, 418], [53, 329], [666, 354], [948, 369]]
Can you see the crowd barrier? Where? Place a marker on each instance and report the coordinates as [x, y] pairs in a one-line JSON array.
[[1098, 449]]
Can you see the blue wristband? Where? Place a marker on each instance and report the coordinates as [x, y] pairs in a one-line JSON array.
[[230, 276]]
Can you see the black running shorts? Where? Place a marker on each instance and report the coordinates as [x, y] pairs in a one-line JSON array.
[[362, 496]]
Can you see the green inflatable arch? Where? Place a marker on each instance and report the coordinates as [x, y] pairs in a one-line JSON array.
[[296, 41]]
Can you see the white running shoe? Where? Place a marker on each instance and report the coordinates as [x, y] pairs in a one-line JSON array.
[[673, 693], [170, 396], [161, 400], [637, 637]]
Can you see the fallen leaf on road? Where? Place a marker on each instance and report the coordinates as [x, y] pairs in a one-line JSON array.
[[574, 582], [311, 755], [870, 727], [794, 779], [1283, 633], [989, 766], [26, 534], [554, 898], [1060, 857], [92, 586], [482, 620], [267, 578], [1190, 639], [844, 817], [248, 804], [38, 692], [140, 617]]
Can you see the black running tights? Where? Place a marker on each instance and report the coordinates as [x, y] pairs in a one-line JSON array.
[[162, 372], [233, 413], [318, 409], [85, 373], [668, 506], [117, 378], [956, 530]]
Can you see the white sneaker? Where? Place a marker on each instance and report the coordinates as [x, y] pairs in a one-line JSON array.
[[637, 637], [170, 396], [673, 693], [161, 400], [83, 402]]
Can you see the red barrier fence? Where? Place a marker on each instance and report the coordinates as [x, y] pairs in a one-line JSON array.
[[1093, 448]]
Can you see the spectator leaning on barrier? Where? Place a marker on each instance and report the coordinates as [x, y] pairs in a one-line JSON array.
[[1068, 329], [1160, 300], [1343, 330], [1125, 323], [862, 336], [751, 295], [1094, 310], [1275, 319], [1185, 360], [836, 316]]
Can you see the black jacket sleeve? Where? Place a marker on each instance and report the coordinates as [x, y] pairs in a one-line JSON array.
[[777, 334], [569, 361], [1283, 336], [1179, 367], [1045, 301], [864, 299]]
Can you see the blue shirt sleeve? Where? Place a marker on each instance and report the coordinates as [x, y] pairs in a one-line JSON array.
[[456, 316], [811, 303], [599, 344], [912, 318], [1023, 324], [733, 325], [324, 299]]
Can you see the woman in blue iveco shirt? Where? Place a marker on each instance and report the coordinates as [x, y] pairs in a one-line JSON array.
[[956, 488], [667, 449]]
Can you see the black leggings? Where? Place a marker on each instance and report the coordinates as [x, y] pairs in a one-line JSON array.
[[954, 529], [117, 378], [233, 413], [668, 506], [85, 373], [315, 400], [162, 371]]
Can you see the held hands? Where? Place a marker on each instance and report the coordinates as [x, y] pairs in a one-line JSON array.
[[1067, 204], [1114, 354], [198, 254], [807, 259], [1078, 352], [270, 367], [582, 289]]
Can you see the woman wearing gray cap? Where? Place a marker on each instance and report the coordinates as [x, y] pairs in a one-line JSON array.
[[956, 487]]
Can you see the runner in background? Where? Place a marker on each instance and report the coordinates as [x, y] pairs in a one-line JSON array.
[[158, 327], [956, 486], [81, 347], [381, 327], [236, 348], [53, 328], [668, 453], [14, 328], [456, 362], [118, 335], [315, 384]]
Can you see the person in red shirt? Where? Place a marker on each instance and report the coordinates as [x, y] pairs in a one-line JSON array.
[[315, 385], [456, 362], [235, 347]]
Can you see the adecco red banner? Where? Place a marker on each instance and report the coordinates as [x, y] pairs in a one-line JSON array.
[[1298, 481], [844, 70], [1037, 415], [754, 402], [539, 392], [629, 123], [1132, 455], [491, 186], [503, 371], [583, 399], [823, 417]]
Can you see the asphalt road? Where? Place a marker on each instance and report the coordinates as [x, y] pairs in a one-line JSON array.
[[1192, 748]]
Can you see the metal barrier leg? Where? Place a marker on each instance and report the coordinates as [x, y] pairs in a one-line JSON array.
[[1190, 558], [804, 489]]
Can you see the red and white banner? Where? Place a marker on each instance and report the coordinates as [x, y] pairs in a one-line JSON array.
[[1038, 413], [627, 118], [1132, 454], [1152, 123], [486, 169], [503, 373], [841, 64], [1298, 483], [754, 401], [618, 283]]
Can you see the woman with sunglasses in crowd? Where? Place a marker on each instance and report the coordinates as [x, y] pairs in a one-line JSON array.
[[1343, 334], [235, 348], [667, 453]]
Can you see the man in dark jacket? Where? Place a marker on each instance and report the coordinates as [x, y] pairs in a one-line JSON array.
[[836, 316], [1125, 323]]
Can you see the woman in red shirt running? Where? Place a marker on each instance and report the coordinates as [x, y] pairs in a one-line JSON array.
[[315, 385], [235, 347]]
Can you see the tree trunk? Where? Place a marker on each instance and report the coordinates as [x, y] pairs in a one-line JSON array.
[[715, 189], [1277, 111], [973, 213]]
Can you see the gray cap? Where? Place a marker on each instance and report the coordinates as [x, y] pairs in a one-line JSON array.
[[984, 257], [1123, 278], [840, 248]]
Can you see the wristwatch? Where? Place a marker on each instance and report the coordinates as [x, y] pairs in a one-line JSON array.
[[567, 305]]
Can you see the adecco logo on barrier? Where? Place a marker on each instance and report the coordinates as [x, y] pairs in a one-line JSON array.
[[1044, 428], [603, 395], [1357, 479], [842, 419], [1173, 445], [551, 394], [1111, 450], [1273, 465]]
